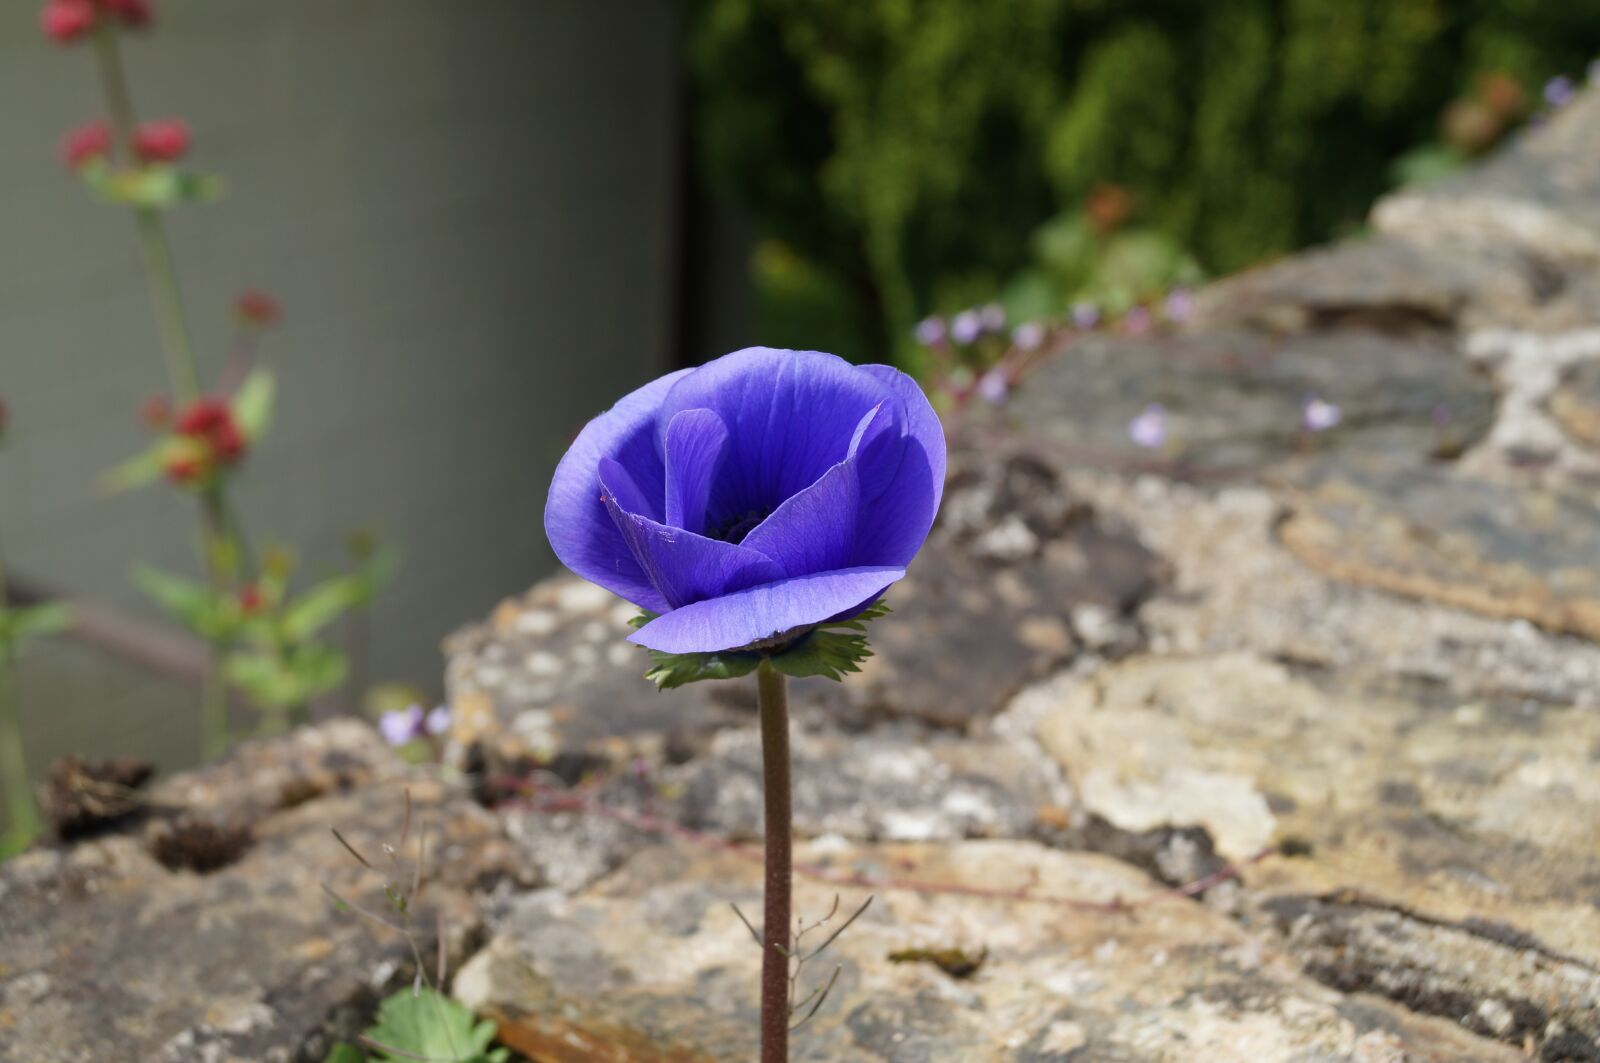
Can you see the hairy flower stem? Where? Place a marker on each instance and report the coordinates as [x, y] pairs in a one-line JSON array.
[[773, 696], [21, 811]]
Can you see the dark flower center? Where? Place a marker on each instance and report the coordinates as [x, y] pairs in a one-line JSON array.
[[734, 529]]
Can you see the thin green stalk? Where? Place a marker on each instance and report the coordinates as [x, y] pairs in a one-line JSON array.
[[165, 294], [773, 698], [20, 808]]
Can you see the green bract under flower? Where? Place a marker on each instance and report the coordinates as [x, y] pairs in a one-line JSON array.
[[831, 650]]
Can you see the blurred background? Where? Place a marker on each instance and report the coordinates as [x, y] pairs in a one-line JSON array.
[[484, 222]]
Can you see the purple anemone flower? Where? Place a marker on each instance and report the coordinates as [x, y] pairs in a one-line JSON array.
[[400, 726], [752, 498]]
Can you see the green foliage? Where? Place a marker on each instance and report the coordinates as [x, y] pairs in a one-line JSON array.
[[252, 404], [432, 1026], [897, 156], [192, 604], [21, 622], [829, 650], [150, 187]]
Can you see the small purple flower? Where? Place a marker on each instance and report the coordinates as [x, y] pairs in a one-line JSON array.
[[930, 331], [400, 726], [1149, 429], [437, 721], [1179, 305], [993, 387], [1559, 91], [1085, 315], [966, 326], [1136, 322], [993, 317], [1028, 336], [754, 497], [1319, 416]]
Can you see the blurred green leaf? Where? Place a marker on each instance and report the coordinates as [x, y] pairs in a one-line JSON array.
[[29, 621], [431, 1026], [287, 679], [152, 187], [252, 404], [139, 470], [343, 1053], [192, 604], [321, 606]]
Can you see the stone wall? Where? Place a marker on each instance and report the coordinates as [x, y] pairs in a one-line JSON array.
[[1272, 746]]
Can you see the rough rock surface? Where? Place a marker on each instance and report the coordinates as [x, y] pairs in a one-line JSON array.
[[107, 954], [1274, 745]]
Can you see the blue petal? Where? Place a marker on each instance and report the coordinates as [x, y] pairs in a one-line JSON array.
[[685, 568], [577, 523], [617, 482], [694, 446], [763, 611], [790, 417], [893, 524], [815, 530]]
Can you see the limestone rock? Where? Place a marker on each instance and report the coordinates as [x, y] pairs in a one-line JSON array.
[[653, 965], [107, 954], [1441, 820]]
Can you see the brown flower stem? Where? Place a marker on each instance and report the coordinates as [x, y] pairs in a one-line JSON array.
[[773, 697]]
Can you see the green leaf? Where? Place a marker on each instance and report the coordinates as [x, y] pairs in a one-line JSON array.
[[830, 650], [191, 604], [282, 680], [431, 1025], [152, 187], [321, 606], [252, 404], [28, 621], [137, 471], [343, 1053], [668, 670]]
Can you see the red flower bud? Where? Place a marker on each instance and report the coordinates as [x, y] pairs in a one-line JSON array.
[[64, 21], [156, 411], [256, 309], [249, 599], [92, 140], [132, 12], [163, 141], [228, 441], [202, 416], [184, 470]]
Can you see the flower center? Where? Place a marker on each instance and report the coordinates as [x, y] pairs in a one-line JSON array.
[[734, 529]]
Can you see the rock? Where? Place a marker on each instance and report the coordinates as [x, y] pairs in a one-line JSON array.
[[1504, 550], [1539, 196], [1576, 403], [1235, 587], [1234, 401], [652, 964], [1384, 283], [107, 954], [1439, 820]]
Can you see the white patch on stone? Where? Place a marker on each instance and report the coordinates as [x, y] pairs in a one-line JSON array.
[[582, 597], [899, 826], [536, 622], [542, 662], [1227, 805]]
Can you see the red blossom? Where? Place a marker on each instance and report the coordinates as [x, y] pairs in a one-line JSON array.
[[227, 441], [250, 599], [257, 309], [161, 141], [156, 411], [184, 470], [92, 140], [210, 422], [64, 21], [131, 12], [202, 416]]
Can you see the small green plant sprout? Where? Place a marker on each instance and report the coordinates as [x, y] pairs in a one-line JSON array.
[[418, 1022], [803, 1009]]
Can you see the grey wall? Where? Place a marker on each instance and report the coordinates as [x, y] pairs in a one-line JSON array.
[[467, 210]]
